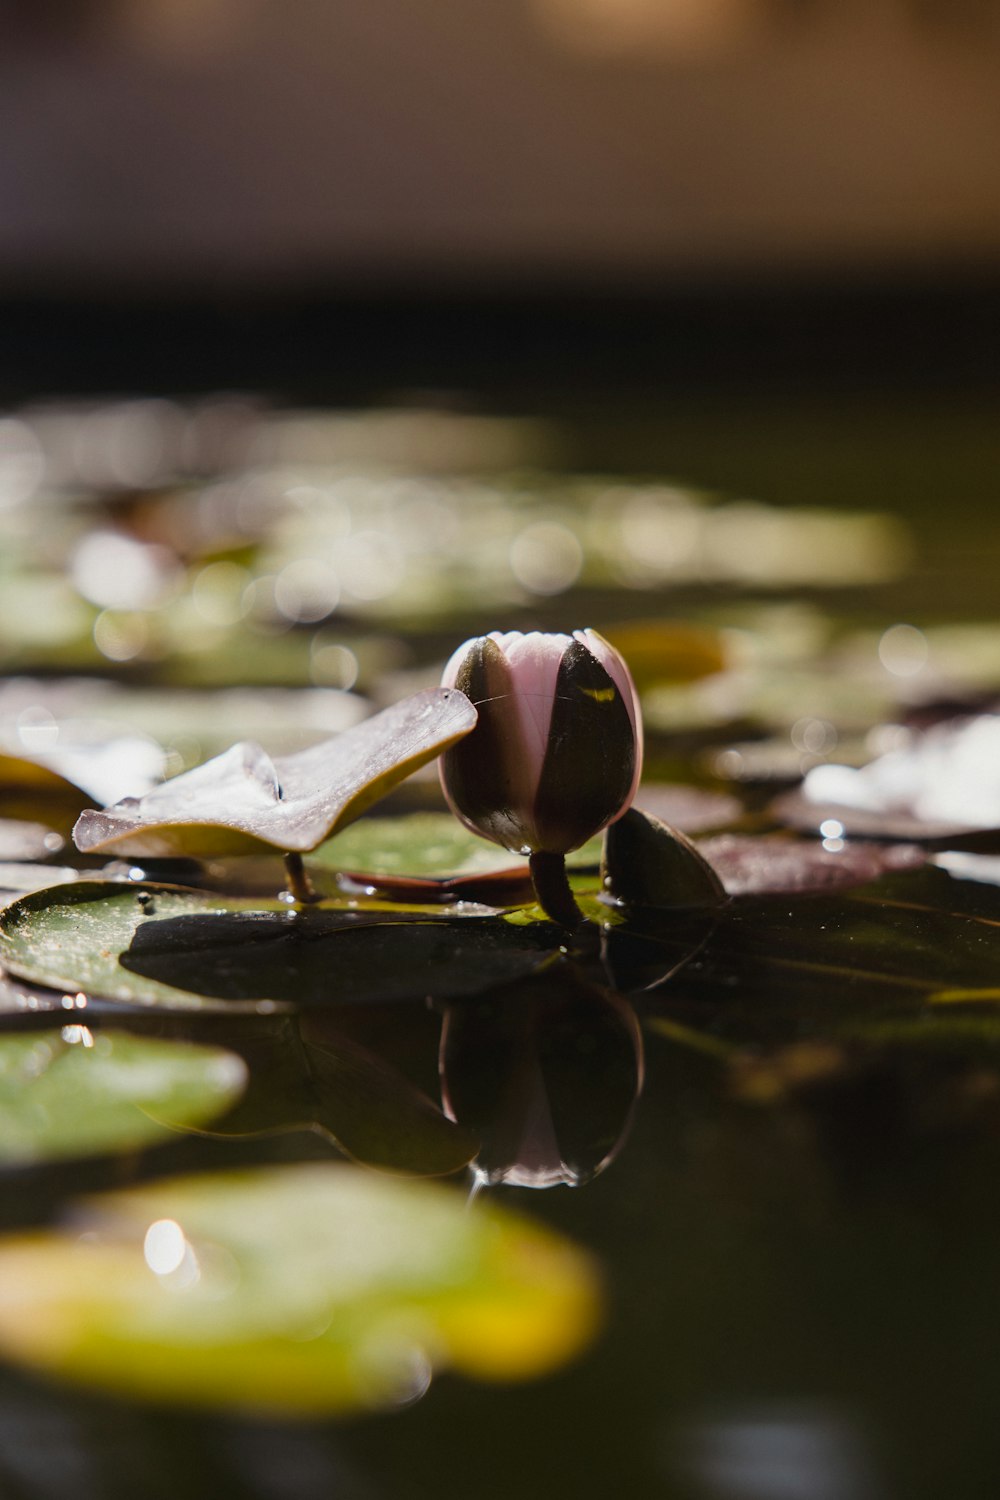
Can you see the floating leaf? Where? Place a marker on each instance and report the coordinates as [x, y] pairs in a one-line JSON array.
[[242, 799], [775, 866], [305, 1290], [692, 809], [668, 650], [78, 1092], [941, 785], [85, 760], [648, 864], [152, 944], [893, 945], [429, 858], [421, 844]]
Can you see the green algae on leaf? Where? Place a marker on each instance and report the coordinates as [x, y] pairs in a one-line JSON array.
[[298, 1291], [79, 1092], [243, 800]]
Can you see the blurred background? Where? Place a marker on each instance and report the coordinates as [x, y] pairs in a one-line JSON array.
[[332, 195]]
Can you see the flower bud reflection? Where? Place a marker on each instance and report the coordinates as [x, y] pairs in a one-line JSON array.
[[547, 1072]]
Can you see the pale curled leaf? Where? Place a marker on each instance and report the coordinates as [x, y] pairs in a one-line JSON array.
[[242, 799]]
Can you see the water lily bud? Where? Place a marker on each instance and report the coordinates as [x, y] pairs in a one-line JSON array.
[[557, 750]]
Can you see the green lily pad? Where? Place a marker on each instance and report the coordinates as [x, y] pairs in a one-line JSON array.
[[160, 945], [243, 799], [427, 845], [299, 1291], [77, 1092], [434, 845]]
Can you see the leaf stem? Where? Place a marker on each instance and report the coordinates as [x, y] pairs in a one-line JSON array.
[[298, 882], [548, 875]]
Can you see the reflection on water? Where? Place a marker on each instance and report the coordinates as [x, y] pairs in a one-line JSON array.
[[778, 1452], [547, 1072]]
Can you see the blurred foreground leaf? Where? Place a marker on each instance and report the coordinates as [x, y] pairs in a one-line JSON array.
[[242, 799], [298, 1291], [75, 1092]]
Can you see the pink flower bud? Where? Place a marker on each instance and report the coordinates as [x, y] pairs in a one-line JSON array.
[[556, 753]]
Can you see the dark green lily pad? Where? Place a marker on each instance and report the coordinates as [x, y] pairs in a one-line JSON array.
[[78, 1092], [882, 951], [243, 799], [159, 945], [306, 1290]]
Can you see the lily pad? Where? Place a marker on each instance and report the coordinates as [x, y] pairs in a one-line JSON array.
[[159, 945], [80, 764], [78, 1092], [775, 866], [243, 799], [299, 1291], [884, 949], [941, 785], [429, 844]]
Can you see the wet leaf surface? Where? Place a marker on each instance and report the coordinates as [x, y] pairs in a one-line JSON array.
[[431, 844], [155, 945], [316, 1289], [831, 961]]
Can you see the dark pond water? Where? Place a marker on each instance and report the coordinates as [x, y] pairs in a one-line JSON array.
[[787, 1144]]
